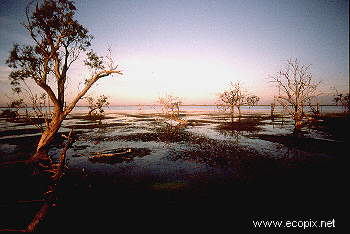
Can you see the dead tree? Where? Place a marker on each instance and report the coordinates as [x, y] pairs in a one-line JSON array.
[[296, 88], [235, 96], [58, 40], [252, 100], [170, 106]]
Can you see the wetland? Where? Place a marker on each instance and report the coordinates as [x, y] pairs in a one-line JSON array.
[[209, 173]]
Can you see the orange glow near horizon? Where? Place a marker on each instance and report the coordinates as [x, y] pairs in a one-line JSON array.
[[195, 80]]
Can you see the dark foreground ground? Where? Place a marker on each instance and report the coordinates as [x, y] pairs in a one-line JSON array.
[[305, 178]]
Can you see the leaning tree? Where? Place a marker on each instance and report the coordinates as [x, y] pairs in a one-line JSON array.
[[58, 40], [296, 88]]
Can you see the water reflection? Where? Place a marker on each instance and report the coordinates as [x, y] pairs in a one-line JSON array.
[[242, 127]]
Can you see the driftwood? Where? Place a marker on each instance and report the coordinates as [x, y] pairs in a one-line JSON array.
[[106, 155], [110, 155]]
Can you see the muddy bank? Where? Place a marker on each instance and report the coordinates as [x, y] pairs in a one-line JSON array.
[[327, 147], [251, 124], [336, 125], [95, 125], [20, 146], [13, 132]]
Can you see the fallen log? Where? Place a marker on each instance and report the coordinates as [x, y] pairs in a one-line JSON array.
[[110, 155]]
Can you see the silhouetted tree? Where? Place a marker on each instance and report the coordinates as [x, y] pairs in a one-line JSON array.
[[296, 88], [58, 41], [235, 96]]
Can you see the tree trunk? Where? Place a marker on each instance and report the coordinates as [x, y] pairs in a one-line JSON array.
[[48, 136], [297, 120], [272, 110], [232, 110], [90, 112]]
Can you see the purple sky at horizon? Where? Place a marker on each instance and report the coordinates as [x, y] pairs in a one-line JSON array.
[[193, 49]]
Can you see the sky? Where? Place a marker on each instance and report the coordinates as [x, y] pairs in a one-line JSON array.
[[194, 49]]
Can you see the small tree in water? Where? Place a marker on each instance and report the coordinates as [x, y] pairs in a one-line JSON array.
[[97, 104], [296, 88], [342, 99], [58, 41], [13, 108], [235, 96], [252, 100], [170, 106]]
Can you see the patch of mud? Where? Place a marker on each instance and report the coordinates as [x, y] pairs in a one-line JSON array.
[[211, 152], [336, 126], [17, 132], [201, 122], [145, 120], [307, 144], [140, 116], [23, 146], [248, 125], [97, 125], [150, 136], [157, 133], [90, 118], [28, 120], [80, 147]]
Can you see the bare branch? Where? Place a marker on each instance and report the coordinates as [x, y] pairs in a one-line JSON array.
[[296, 88], [88, 85]]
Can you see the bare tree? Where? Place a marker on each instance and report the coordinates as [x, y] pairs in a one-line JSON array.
[[296, 88], [252, 100], [58, 41], [97, 104], [233, 97], [170, 106]]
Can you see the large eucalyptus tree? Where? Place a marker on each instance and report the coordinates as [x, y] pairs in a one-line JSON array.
[[58, 40]]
